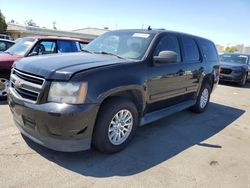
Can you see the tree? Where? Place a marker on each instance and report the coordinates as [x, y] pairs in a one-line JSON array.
[[3, 25], [231, 49], [31, 23]]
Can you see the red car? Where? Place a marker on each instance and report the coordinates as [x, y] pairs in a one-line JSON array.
[[31, 46]]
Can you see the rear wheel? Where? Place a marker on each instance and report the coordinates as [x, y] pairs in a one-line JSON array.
[[116, 125], [202, 99], [4, 84]]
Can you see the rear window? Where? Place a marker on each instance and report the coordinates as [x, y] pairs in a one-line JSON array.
[[209, 50], [190, 49], [67, 46]]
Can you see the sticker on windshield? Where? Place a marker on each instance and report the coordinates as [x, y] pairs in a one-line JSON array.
[[141, 35], [243, 56], [28, 43]]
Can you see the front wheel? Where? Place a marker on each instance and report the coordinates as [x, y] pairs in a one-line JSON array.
[[115, 126], [202, 99], [244, 80], [4, 84]]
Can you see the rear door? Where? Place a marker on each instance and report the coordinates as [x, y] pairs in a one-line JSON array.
[[194, 65]]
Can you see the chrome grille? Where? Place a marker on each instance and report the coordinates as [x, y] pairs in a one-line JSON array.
[[225, 71], [25, 86]]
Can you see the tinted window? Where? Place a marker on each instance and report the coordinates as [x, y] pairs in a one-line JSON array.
[[67, 46], [209, 50], [3, 46], [168, 43], [9, 44], [45, 47], [190, 49]]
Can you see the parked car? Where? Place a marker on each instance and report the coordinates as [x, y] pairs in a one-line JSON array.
[[7, 37], [235, 67], [126, 79], [32, 46], [5, 44]]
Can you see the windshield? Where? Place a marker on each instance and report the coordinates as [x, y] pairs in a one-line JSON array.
[[128, 45], [234, 58], [21, 47]]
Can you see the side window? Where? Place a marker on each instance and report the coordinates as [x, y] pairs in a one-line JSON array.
[[67, 46], [3, 46], [45, 47], [168, 43], [209, 50], [82, 45], [190, 49], [9, 44]]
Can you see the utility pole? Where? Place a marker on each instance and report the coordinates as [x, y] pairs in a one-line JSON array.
[[54, 25]]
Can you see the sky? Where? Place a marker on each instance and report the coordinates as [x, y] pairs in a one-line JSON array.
[[223, 21]]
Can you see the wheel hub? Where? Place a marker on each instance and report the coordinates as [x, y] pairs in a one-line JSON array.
[[204, 98], [120, 127], [4, 83]]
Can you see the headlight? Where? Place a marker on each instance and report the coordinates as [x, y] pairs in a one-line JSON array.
[[68, 92]]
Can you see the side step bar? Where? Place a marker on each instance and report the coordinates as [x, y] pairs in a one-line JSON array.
[[153, 116]]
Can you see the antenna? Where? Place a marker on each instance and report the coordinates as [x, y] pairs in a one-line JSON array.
[[149, 28]]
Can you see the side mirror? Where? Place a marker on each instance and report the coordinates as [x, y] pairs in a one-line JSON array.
[[165, 57], [33, 54]]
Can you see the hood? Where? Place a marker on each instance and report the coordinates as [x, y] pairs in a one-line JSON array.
[[230, 65], [63, 66], [6, 60]]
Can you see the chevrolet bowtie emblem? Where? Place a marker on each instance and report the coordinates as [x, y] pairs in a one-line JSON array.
[[18, 84]]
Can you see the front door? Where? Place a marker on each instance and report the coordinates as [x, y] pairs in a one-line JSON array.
[[166, 81]]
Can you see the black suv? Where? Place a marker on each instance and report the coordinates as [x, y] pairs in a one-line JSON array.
[[122, 80]]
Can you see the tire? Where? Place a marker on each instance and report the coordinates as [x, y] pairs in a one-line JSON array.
[[107, 127], [4, 83], [244, 80], [200, 106]]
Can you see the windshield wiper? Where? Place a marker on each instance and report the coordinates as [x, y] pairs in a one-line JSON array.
[[108, 53]]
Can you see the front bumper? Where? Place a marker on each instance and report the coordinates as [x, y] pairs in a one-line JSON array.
[[60, 127], [233, 77]]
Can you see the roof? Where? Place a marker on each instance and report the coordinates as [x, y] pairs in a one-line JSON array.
[[158, 31], [6, 40], [57, 38]]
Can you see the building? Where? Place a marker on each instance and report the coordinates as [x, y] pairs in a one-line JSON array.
[[247, 50], [219, 48], [240, 47], [17, 31], [89, 30]]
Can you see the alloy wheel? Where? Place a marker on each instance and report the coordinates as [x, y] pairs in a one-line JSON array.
[[4, 84], [120, 127]]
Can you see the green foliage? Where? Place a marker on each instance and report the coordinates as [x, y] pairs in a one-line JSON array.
[[3, 25], [231, 49], [30, 23]]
